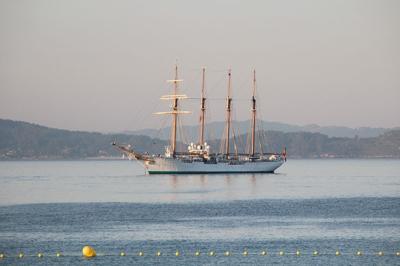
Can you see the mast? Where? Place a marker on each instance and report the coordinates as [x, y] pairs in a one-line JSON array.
[[253, 118], [175, 97], [202, 108], [174, 113], [228, 114]]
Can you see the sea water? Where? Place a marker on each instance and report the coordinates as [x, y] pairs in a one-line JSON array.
[[306, 206]]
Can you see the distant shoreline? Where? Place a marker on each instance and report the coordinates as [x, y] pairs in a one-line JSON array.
[[21, 141], [121, 159]]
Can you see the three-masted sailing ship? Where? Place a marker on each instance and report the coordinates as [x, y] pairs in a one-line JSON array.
[[199, 158]]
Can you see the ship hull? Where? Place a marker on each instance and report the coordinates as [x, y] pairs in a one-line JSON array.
[[175, 166]]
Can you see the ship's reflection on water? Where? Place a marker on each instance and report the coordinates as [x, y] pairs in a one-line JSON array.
[[204, 186], [203, 179], [253, 183]]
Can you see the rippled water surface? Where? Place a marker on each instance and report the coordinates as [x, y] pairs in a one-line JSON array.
[[323, 205]]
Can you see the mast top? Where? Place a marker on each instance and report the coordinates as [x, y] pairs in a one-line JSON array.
[[229, 83], [254, 83]]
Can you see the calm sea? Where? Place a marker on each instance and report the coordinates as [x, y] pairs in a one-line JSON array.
[[307, 206]]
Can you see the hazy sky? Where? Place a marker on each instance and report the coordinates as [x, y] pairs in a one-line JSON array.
[[102, 65]]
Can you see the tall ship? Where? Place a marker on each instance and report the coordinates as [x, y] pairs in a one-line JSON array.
[[199, 157]]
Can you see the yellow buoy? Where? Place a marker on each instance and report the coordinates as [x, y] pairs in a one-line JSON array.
[[158, 253], [21, 255], [141, 253], [122, 254], [177, 253], [40, 255], [227, 253], [212, 253], [58, 254], [315, 253], [337, 253], [245, 253], [263, 253], [297, 252], [359, 253], [398, 253], [2, 256], [88, 252], [197, 253], [380, 253], [281, 253]]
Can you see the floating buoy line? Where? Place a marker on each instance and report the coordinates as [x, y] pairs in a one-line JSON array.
[[90, 252]]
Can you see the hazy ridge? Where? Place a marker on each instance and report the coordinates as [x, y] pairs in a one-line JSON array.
[[22, 140], [244, 126]]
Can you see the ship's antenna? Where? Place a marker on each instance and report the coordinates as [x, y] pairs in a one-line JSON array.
[[253, 118], [202, 108], [228, 114]]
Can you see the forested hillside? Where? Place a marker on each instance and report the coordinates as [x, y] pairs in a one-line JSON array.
[[21, 140]]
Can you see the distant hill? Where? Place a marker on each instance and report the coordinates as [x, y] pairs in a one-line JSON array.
[[21, 140], [317, 145], [215, 130]]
